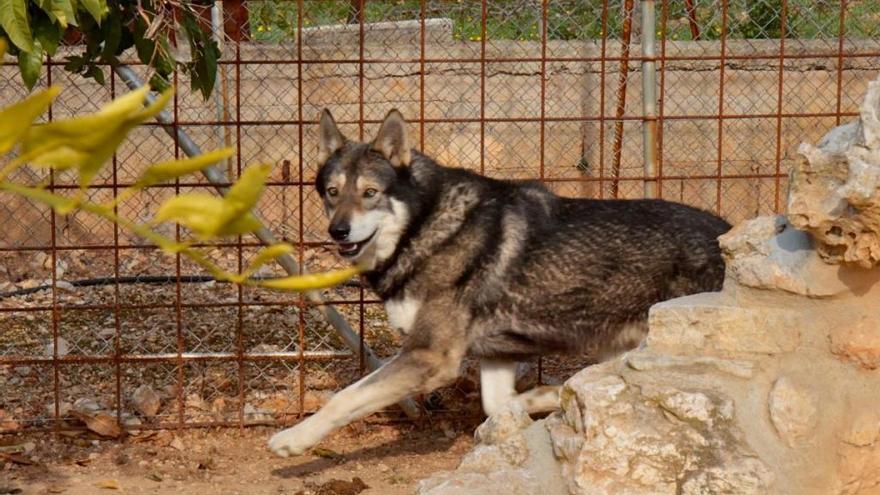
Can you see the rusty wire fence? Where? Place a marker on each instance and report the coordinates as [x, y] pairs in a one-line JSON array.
[[90, 316]]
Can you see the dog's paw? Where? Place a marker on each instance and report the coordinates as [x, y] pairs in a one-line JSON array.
[[289, 442]]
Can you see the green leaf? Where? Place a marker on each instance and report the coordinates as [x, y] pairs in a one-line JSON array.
[[15, 22], [61, 11], [16, 119], [96, 8], [300, 283], [30, 64], [162, 172], [48, 34], [95, 73], [111, 31]]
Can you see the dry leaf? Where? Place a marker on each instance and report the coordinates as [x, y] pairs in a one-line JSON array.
[[55, 489], [108, 484], [326, 453], [101, 423], [17, 459], [146, 401]]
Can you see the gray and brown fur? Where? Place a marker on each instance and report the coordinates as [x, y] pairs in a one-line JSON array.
[[498, 270]]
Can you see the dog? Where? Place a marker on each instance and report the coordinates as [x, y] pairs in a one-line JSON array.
[[495, 269]]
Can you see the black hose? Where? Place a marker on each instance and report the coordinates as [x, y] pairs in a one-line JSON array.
[[136, 279]]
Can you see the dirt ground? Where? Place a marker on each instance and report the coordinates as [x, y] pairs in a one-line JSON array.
[[366, 458]]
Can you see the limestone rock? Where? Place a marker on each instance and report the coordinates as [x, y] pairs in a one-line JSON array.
[[858, 343], [793, 410], [769, 253], [638, 439], [715, 324], [835, 189]]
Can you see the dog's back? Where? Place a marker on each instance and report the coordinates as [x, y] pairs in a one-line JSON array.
[[540, 273]]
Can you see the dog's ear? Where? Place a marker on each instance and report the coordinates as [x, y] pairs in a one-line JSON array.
[[331, 139], [392, 140]]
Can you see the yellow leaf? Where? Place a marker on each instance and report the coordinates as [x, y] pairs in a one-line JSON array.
[[166, 171], [198, 212], [266, 255], [15, 119], [245, 193], [300, 283], [237, 225], [61, 158], [108, 484], [54, 200]]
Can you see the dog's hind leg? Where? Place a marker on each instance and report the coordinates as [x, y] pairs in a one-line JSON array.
[[497, 384], [409, 373]]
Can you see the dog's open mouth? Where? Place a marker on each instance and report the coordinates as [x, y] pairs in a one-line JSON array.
[[352, 249]]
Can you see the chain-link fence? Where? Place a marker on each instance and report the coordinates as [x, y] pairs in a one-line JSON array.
[[93, 318]]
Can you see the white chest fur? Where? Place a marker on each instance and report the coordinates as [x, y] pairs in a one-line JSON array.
[[402, 313]]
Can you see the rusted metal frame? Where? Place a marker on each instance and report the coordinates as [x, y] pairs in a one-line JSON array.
[[543, 125], [691, 11], [117, 334], [361, 37], [622, 79], [482, 120], [239, 324], [422, 16], [178, 299], [649, 97], [722, 65], [301, 299], [56, 316], [206, 305], [779, 91], [602, 60], [664, 17], [841, 34], [609, 58], [186, 357], [586, 118], [106, 247], [288, 263]]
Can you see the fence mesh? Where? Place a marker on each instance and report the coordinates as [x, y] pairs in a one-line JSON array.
[[526, 89]]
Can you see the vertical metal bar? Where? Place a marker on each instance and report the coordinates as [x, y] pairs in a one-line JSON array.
[[664, 17], [722, 62], [622, 77], [422, 16], [602, 99], [178, 309], [53, 221], [841, 34], [779, 90], [361, 37], [483, 14], [649, 98], [117, 336], [302, 308], [239, 328], [691, 10], [543, 122]]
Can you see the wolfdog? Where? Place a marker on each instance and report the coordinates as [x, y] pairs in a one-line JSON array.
[[495, 269]]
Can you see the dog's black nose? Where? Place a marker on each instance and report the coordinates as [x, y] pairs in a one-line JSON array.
[[340, 231]]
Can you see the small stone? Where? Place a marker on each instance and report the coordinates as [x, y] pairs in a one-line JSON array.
[[859, 343], [863, 430], [792, 410]]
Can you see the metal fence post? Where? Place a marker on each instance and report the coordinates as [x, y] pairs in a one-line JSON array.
[[649, 98]]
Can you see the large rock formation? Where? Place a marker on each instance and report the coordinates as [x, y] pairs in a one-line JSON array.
[[767, 387]]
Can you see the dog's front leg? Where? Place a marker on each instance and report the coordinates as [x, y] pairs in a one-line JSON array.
[[409, 373]]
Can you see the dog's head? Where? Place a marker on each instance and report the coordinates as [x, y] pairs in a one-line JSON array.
[[360, 186]]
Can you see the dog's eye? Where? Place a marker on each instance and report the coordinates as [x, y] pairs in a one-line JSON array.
[[332, 192], [369, 193]]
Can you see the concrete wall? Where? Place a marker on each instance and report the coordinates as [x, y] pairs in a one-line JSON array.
[[575, 144]]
